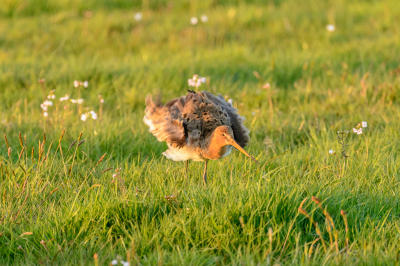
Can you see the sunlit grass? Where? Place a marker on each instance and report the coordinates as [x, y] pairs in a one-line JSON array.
[[61, 204]]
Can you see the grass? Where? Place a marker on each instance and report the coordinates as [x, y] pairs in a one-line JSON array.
[[61, 207]]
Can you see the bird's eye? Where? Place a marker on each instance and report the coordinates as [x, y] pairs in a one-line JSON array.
[[223, 135]]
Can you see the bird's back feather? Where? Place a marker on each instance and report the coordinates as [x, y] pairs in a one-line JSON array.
[[191, 119]]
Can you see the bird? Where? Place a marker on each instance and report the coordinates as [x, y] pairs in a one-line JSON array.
[[198, 126]]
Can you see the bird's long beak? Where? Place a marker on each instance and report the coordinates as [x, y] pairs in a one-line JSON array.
[[237, 146]]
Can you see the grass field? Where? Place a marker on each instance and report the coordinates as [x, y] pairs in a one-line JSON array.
[[60, 207]]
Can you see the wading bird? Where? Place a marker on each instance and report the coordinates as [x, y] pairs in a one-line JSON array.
[[198, 127]]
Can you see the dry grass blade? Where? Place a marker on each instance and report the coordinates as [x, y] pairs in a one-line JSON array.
[[20, 140], [81, 142], [22, 169], [26, 234], [5, 137], [105, 170], [44, 137], [101, 159], [33, 151], [22, 151], [72, 145], [62, 135], [44, 188], [9, 151], [80, 136]]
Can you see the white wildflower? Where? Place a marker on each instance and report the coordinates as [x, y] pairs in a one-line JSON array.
[[76, 83], [359, 131], [330, 27], [102, 100], [138, 16], [196, 81], [45, 114], [78, 101], [86, 84], [364, 124], [230, 101], [194, 21], [204, 18], [93, 114], [65, 98], [48, 103], [332, 152], [83, 117], [114, 262]]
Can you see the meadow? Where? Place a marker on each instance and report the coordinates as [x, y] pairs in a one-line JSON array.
[[95, 191]]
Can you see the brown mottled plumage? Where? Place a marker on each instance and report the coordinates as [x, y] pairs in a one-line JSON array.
[[198, 126]]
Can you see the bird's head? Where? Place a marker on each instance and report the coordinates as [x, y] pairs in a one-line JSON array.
[[224, 137]]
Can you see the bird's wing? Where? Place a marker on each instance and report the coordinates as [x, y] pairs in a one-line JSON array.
[[241, 133], [165, 122]]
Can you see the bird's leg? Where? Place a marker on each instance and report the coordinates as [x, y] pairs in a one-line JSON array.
[[205, 174], [187, 163]]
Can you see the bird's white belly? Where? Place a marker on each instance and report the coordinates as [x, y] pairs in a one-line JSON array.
[[188, 153], [183, 154]]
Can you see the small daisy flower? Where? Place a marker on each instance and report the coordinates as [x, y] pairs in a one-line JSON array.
[[204, 18], [45, 114], [83, 117], [138, 16], [364, 124], [86, 84], [330, 28], [194, 21], [332, 152]]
